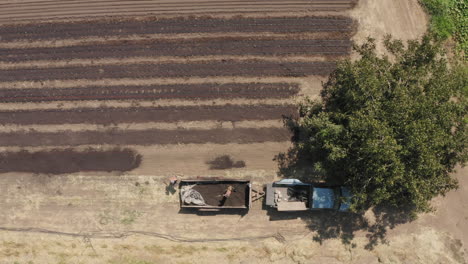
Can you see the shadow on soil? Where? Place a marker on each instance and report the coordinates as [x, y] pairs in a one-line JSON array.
[[225, 162], [329, 224], [240, 212]]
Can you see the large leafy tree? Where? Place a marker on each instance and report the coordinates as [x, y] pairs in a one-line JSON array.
[[392, 127]]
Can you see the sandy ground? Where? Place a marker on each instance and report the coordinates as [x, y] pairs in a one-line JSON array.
[[134, 218], [403, 19]]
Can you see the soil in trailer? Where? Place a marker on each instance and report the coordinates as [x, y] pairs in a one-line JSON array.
[[213, 194]]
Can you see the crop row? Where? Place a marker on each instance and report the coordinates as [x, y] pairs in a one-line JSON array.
[[182, 48], [153, 92], [129, 27], [146, 137], [170, 70], [148, 114]]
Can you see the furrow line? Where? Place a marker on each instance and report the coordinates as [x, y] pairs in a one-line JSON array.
[[146, 137]]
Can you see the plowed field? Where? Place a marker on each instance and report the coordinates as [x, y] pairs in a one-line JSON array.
[[49, 9], [190, 71]]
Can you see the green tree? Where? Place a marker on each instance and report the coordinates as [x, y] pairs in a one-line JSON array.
[[393, 128]]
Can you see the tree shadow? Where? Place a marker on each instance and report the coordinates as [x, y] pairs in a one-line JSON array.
[[207, 212], [386, 218], [296, 165], [225, 162], [329, 224]]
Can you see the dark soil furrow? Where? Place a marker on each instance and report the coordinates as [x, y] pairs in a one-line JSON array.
[[174, 91], [126, 27], [69, 161], [148, 114], [146, 137], [36, 10], [181, 48], [168, 70]]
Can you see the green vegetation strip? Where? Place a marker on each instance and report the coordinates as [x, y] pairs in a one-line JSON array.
[[449, 18]]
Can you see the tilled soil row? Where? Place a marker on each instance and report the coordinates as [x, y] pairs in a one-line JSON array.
[[34, 10], [69, 161], [148, 114], [175, 91], [146, 137], [171, 70], [130, 26], [182, 48]]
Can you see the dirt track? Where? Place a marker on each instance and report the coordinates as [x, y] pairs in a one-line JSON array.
[[178, 91]]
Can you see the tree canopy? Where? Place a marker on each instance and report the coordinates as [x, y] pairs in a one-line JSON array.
[[393, 128]]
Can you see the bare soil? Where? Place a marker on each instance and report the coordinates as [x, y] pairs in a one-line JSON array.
[[23, 11], [168, 70], [213, 194], [148, 114], [69, 161], [403, 19], [145, 137], [126, 27], [183, 48], [153, 92]]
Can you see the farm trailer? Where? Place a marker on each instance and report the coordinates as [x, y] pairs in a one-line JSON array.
[[208, 194]]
